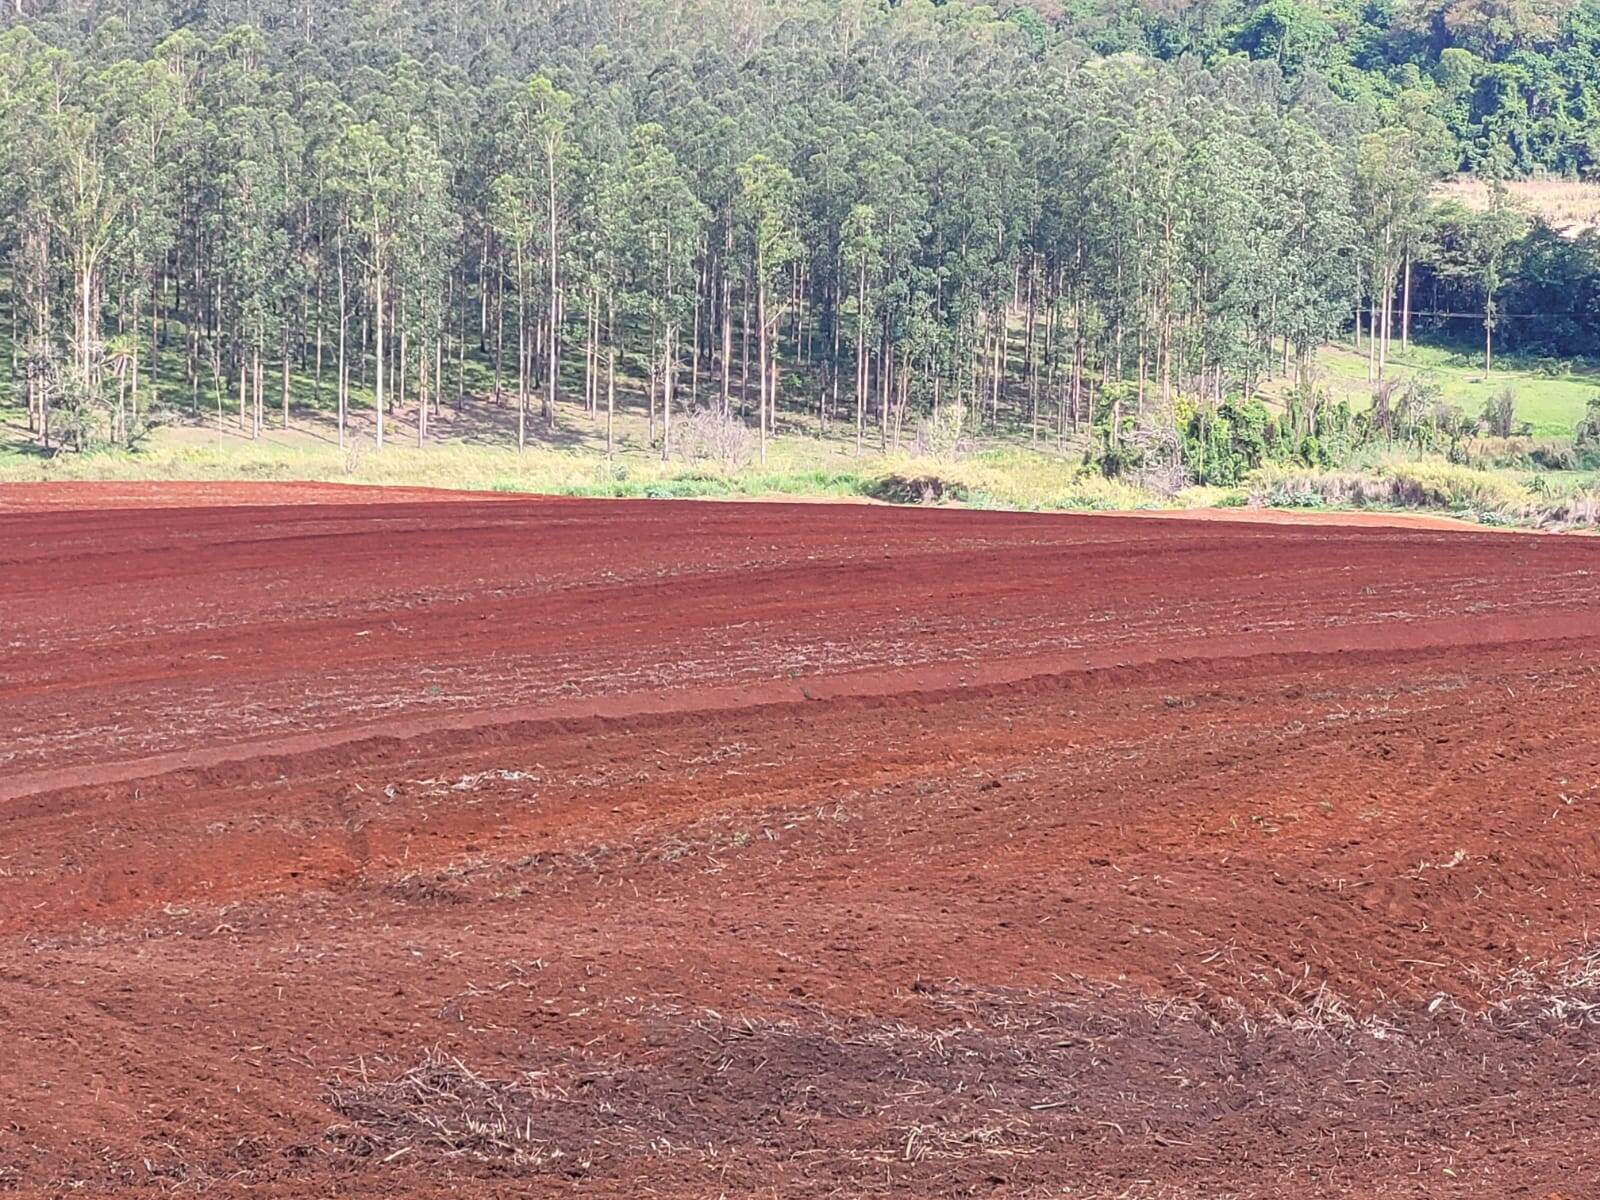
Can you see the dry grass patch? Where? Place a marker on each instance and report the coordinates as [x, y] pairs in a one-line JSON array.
[[1568, 205]]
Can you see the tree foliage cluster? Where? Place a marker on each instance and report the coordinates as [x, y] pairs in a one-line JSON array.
[[1220, 445], [204, 201], [1546, 302], [1495, 83], [871, 212]]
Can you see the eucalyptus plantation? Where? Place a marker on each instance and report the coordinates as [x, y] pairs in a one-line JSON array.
[[831, 210]]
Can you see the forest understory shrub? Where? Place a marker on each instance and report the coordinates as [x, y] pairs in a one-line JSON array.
[[943, 435], [1586, 438], [915, 489], [709, 435], [1519, 454]]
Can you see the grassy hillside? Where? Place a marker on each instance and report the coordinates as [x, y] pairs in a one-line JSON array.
[[1551, 403]]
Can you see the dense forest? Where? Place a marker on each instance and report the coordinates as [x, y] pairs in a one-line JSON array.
[[1024, 212]]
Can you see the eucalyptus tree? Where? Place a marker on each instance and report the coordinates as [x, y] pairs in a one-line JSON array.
[[862, 250], [145, 101], [882, 238], [1313, 236], [250, 228], [427, 231], [84, 208], [366, 171], [596, 241], [549, 112], [524, 209], [33, 82], [1495, 234], [767, 200], [515, 212], [1392, 185], [1226, 179], [103, 200], [656, 204], [321, 115]]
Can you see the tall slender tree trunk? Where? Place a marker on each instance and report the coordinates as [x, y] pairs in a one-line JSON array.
[[499, 333], [86, 324], [402, 356], [1372, 338], [861, 354], [552, 394], [727, 338], [461, 352], [669, 364], [694, 349], [669, 356], [483, 292], [998, 370], [344, 322], [831, 403], [316, 318], [611, 370], [523, 351], [1405, 309], [885, 378], [422, 394], [744, 348], [258, 379], [591, 330], [378, 357], [283, 350], [761, 338], [1383, 328]]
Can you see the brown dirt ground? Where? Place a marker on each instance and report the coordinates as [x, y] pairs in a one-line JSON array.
[[372, 846]]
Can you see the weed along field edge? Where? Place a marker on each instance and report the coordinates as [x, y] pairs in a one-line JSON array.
[[621, 849]]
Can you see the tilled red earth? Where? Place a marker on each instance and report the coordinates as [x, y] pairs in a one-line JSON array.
[[355, 845]]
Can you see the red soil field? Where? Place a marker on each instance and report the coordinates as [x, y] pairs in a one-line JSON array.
[[373, 846]]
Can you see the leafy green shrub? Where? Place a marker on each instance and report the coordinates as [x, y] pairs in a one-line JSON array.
[[1311, 452], [1500, 413], [1114, 449], [1586, 437], [915, 489], [688, 487], [1222, 445]]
